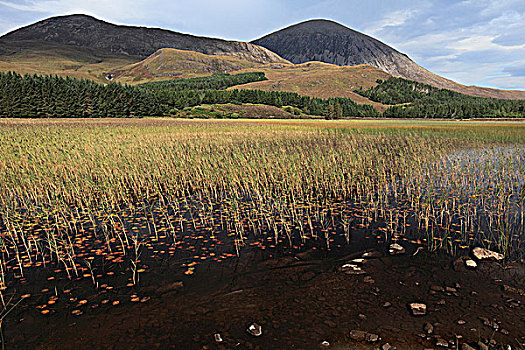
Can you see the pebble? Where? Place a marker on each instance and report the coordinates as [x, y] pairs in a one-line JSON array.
[[441, 342], [217, 337], [396, 249], [372, 338], [485, 254], [255, 330], [357, 335], [461, 322], [325, 344], [387, 304], [418, 309], [386, 346], [352, 269], [429, 328], [471, 264]]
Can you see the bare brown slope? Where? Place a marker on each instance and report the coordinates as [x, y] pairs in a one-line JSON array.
[[319, 79]]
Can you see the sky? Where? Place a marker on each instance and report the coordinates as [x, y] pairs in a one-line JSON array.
[[474, 42]]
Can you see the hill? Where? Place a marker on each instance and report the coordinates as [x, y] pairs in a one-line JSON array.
[[331, 42], [173, 63], [89, 32], [317, 79], [40, 57]]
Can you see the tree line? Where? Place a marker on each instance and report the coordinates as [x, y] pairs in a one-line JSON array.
[[34, 96], [410, 99], [218, 81]]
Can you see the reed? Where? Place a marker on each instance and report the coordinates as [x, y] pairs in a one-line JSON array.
[[76, 192]]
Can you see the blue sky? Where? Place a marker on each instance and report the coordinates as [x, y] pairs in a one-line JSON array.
[[476, 42]]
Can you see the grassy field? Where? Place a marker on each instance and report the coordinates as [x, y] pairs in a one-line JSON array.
[[77, 190]]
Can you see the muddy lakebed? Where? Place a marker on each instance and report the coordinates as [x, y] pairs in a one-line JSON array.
[[389, 271]]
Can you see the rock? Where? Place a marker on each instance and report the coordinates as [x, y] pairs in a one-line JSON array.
[[510, 289], [396, 249], [428, 328], [387, 304], [467, 347], [357, 335], [307, 276], [217, 337], [352, 269], [372, 255], [451, 289], [471, 264], [461, 322], [361, 316], [441, 342], [418, 309], [372, 338], [255, 330], [369, 279], [386, 346], [485, 254], [358, 261], [325, 344], [437, 288], [482, 346], [170, 287]]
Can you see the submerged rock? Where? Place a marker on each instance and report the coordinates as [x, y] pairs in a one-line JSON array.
[[485, 254], [428, 328], [374, 254], [471, 264], [352, 269], [357, 335], [418, 309], [396, 249], [255, 330], [217, 337]]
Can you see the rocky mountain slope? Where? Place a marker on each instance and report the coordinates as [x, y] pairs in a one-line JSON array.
[[89, 32], [331, 42]]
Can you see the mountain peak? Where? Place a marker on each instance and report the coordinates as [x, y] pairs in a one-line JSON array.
[[90, 32]]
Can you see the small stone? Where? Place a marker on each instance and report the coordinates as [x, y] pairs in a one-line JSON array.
[[387, 304], [483, 346], [255, 330], [396, 249], [386, 346], [471, 264], [428, 328], [372, 255], [504, 331], [369, 279], [461, 322], [485, 254], [325, 344], [217, 337], [467, 347], [441, 342], [418, 309], [437, 288], [361, 316], [372, 338], [352, 269], [451, 289], [170, 287], [357, 335]]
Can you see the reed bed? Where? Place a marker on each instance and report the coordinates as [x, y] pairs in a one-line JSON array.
[[76, 192]]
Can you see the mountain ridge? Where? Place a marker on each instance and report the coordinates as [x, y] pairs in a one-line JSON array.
[[87, 31]]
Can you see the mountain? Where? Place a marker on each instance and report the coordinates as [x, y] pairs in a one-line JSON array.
[[331, 42], [88, 32]]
